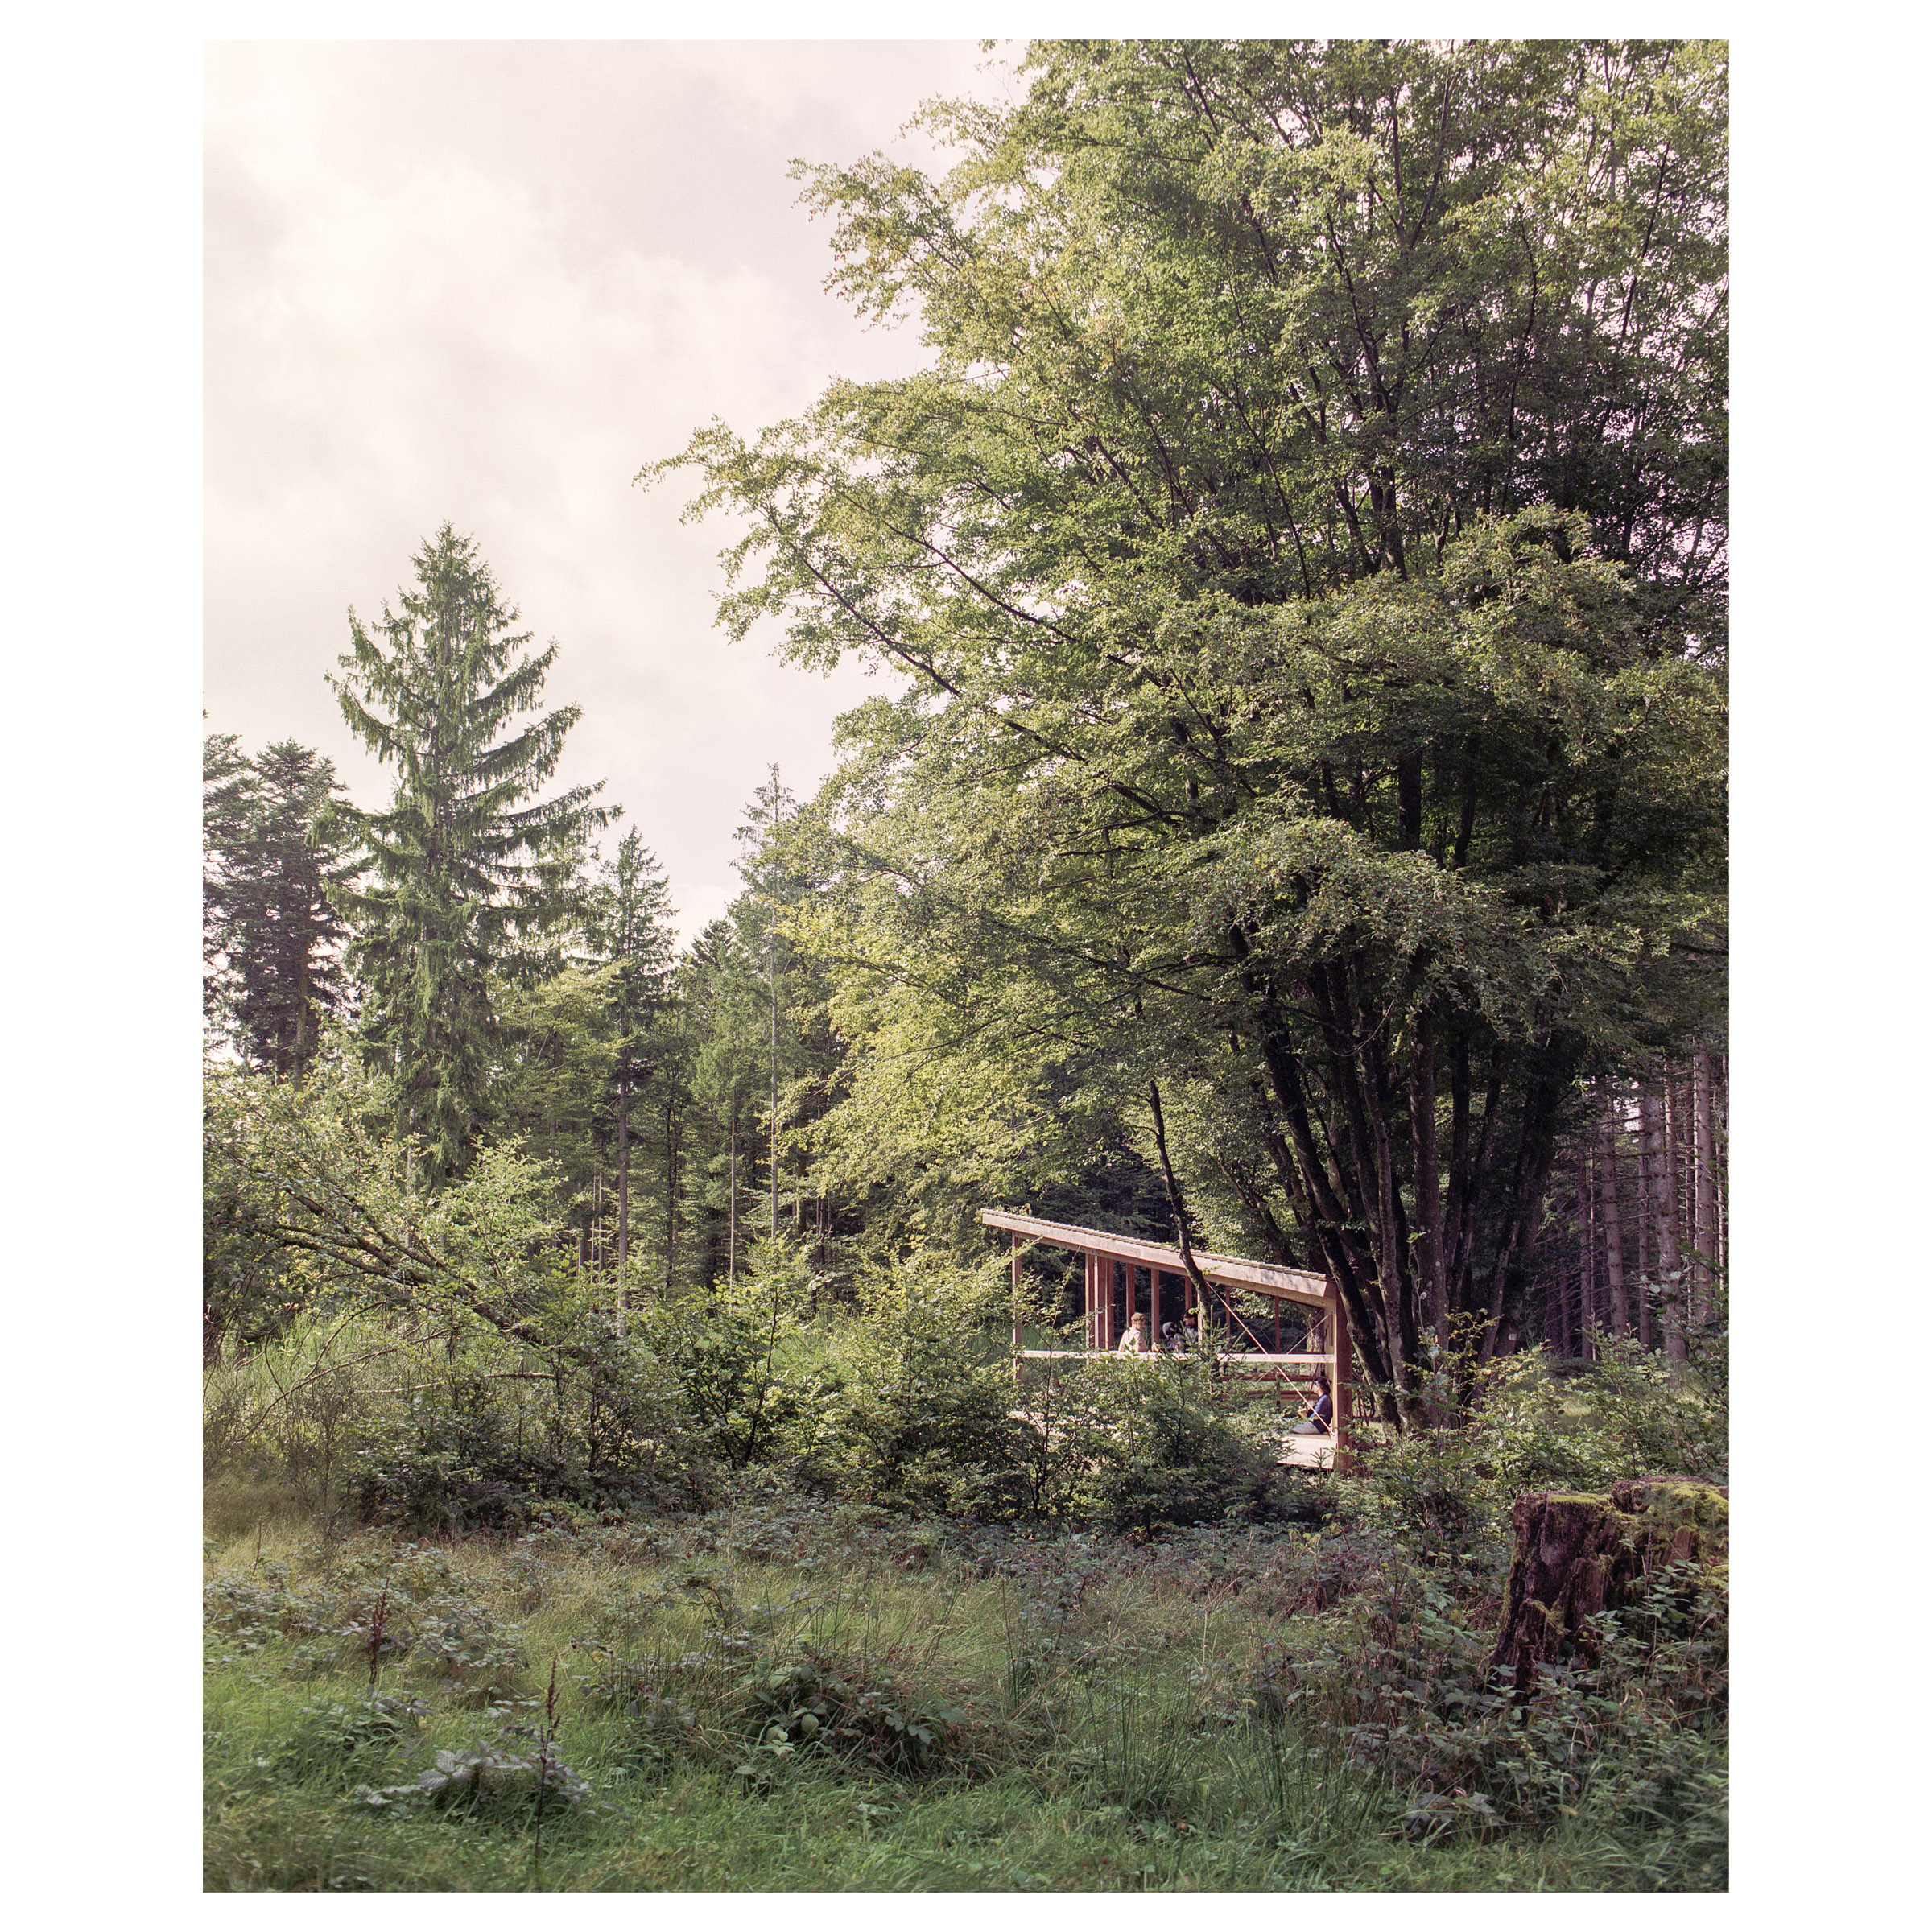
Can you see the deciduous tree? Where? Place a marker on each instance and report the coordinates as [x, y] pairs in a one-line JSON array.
[[1306, 556]]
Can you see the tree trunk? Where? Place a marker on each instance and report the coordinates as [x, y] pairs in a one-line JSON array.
[[771, 962], [1720, 1175], [1670, 1256], [1576, 1556], [671, 1189], [1178, 1208], [1428, 1190], [1586, 1236], [623, 1199], [1704, 1140], [1613, 1230], [1645, 1209]]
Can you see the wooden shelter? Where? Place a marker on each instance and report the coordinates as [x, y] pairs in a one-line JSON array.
[[1124, 1275]]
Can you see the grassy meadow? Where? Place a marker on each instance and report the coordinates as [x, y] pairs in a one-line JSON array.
[[781, 1693]]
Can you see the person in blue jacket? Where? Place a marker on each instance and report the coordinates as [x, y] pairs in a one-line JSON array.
[[1319, 1419]]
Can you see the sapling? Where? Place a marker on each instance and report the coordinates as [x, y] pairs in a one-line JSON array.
[[378, 1624], [546, 1737]]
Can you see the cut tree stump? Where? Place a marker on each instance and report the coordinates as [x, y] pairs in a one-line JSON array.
[[1577, 1555]]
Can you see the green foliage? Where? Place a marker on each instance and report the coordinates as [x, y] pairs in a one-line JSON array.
[[1633, 1750], [274, 851], [459, 855], [475, 1443], [848, 1706], [308, 1176], [1230, 1707], [907, 1401], [502, 1779], [1450, 1485], [1174, 1454], [1359, 778], [331, 1734]]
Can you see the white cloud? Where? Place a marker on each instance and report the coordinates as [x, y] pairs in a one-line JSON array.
[[487, 284]]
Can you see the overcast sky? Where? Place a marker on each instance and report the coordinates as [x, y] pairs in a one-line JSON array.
[[486, 282]]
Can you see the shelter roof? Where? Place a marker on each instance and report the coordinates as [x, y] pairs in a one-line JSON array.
[[1230, 1270]]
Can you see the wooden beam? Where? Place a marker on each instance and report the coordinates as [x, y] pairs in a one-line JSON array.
[[1224, 1270]]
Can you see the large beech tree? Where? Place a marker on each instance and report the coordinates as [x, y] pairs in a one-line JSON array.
[[1305, 554]]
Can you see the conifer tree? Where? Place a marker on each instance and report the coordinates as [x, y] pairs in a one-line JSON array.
[[284, 938], [271, 941], [438, 686], [228, 785], [630, 928]]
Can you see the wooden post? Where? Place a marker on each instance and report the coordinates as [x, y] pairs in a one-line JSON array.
[[1338, 1378], [1016, 1307]]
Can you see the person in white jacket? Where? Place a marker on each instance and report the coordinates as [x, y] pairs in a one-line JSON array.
[[1134, 1341]]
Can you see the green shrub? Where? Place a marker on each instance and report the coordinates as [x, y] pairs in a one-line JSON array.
[[343, 1741], [480, 1441], [846, 1706], [908, 1403], [1174, 1454], [1142, 1441], [1632, 1747], [1449, 1486]]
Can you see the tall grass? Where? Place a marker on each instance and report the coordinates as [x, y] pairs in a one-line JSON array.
[[1097, 1716]]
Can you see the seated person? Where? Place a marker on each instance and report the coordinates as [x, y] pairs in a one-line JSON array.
[[1319, 1416], [1134, 1341]]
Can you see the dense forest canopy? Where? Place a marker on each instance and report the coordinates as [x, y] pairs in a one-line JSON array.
[[1295, 820], [1307, 557], [1292, 822]]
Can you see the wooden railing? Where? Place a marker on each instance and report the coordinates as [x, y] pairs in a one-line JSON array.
[[1291, 1375]]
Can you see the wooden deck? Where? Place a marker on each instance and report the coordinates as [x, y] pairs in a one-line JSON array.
[[1308, 1452], [1206, 1286]]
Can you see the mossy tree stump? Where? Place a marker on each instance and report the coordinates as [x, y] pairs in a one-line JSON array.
[[1577, 1555]]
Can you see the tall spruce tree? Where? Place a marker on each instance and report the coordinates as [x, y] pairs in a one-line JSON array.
[[273, 847], [438, 686]]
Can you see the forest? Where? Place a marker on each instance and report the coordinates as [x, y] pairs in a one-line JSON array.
[[1291, 823]]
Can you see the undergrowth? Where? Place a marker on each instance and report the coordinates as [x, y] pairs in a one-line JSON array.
[[785, 1693]]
